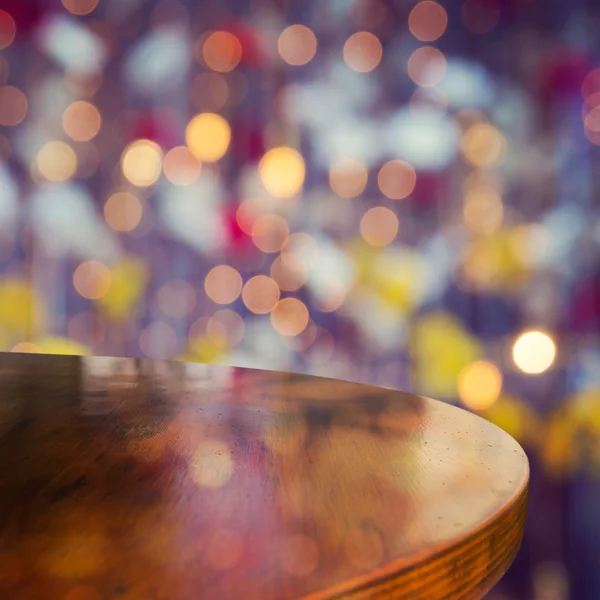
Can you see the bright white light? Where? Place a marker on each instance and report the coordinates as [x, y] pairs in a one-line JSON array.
[[466, 85], [72, 45], [419, 136], [160, 60], [9, 205], [191, 214], [64, 216]]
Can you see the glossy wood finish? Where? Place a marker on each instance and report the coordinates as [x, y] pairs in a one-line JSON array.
[[148, 480]]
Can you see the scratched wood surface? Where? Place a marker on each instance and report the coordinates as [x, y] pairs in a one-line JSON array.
[[149, 480]]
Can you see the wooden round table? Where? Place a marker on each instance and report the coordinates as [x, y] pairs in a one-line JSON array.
[[148, 480]]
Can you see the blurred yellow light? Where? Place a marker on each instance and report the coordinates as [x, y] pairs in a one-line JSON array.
[[297, 45], [379, 226], [92, 279], [260, 294], [21, 310], [534, 352], [480, 16], [128, 282], [289, 317], [8, 30], [123, 211], [363, 52], [287, 279], [222, 51], [54, 344], [270, 233], [427, 66], [348, 177], [207, 136], [427, 21], [56, 161], [212, 465], [80, 7], [141, 163], [479, 385], [396, 179], [181, 167], [483, 210], [176, 299], [81, 121], [483, 145], [223, 284], [282, 172], [13, 106]]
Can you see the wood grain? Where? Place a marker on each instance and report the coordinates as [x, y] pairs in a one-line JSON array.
[[148, 480]]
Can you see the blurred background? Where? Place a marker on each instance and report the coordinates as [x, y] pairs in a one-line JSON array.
[[396, 192]]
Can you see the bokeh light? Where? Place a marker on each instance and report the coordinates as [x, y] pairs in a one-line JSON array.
[[483, 210], [379, 226], [212, 465], [246, 214], [207, 136], [427, 21], [396, 179], [181, 167], [56, 161], [260, 294], [483, 145], [227, 327], [92, 280], [534, 352], [297, 45], [270, 232], [222, 51], [348, 177], [479, 385], [300, 253], [13, 106], [141, 163], [287, 279], [224, 549], [80, 7], [8, 31], [299, 555], [209, 91], [282, 172], [223, 284], [158, 340], [480, 16], [81, 121], [427, 66], [363, 51], [123, 211], [289, 317], [176, 299]]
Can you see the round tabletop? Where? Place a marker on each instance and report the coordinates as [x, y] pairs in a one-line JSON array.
[[151, 480]]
